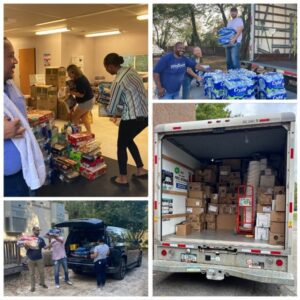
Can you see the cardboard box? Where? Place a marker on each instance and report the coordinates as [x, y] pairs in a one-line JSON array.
[[196, 194], [263, 219], [235, 164], [279, 190], [265, 199], [264, 208], [213, 208], [235, 175], [278, 227], [280, 203], [276, 238], [195, 186], [199, 175], [227, 209], [208, 190], [210, 218], [226, 222], [209, 176], [222, 191], [183, 228], [268, 171], [277, 216], [267, 180], [211, 225], [261, 233], [195, 210], [265, 190], [56, 76], [225, 170], [195, 202], [222, 200], [214, 200], [224, 180]]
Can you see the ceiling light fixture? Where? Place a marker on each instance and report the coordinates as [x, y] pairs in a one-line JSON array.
[[50, 22], [142, 17], [51, 31], [103, 33]]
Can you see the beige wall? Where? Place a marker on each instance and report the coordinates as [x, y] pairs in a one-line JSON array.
[[169, 113], [123, 44]]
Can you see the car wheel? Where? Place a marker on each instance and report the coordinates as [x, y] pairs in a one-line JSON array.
[[139, 261], [77, 271], [121, 270]]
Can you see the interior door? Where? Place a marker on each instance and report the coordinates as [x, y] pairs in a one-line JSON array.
[[27, 66]]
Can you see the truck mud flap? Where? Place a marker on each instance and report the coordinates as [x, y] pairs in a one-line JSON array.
[[216, 272]]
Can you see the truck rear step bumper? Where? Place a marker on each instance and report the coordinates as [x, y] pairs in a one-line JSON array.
[[217, 272]]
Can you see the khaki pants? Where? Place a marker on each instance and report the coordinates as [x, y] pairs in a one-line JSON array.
[[39, 264]]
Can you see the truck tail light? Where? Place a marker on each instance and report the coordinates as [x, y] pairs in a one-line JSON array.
[[279, 262], [163, 252]]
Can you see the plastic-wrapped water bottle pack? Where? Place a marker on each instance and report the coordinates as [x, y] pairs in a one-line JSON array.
[[243, 84], [225, 35]]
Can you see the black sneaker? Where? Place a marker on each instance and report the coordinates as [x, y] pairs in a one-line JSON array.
[[44, 286], [32, 290]]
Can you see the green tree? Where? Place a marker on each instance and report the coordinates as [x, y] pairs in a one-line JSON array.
[[207, 111]]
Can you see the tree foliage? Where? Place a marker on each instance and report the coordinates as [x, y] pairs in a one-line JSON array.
[[207, 111], [131, 215]]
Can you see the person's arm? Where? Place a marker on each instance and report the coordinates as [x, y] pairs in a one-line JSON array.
[[160, 89], [77, 94], [12, 128], [94, 254], [193, 74], [238, 33]]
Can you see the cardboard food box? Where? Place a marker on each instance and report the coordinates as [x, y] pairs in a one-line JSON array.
[[279, 190], [268, 171], [211, 225], [56, 76], [226, 222], [222, 200], [183, 228], [93, 173], [264, 208], [195, 210], [195, 186], [276, 238], [277, 216], [267, 180], [210, 218], [225, 170], [209, 176], [36, 117], [222, 191], [235, 164], [278, 227], [265, 199], [261, 233], [265, 190], [235, 175], [195, 202], [76, 139], [224, 180], [213, 208], [280, 202], [196, 194], [227, 209], [263, 219]]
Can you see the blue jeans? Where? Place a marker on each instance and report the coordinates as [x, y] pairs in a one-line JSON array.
[[233, 56], [15, 186], [57, 264], [100, 269], [170, 96]]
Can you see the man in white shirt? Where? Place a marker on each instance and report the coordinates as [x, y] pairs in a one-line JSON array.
[[233, 52]]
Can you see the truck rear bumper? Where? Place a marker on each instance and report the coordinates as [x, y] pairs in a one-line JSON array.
[[218, 272]]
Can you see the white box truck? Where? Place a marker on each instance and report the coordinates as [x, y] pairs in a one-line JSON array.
[[179, 149]]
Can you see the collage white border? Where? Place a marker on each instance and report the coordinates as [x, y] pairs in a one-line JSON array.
[[150, 139]]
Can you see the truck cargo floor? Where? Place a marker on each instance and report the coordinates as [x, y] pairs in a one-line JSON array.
[[220, 237]]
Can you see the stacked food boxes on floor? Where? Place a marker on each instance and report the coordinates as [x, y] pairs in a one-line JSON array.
[[270, 217], [42, 124]]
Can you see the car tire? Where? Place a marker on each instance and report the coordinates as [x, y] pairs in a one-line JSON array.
[[121, 270], [139, 261]]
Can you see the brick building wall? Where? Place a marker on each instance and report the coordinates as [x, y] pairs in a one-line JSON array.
[[170, 113]]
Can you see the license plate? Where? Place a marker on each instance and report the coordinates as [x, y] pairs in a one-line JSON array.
[[189, 258]]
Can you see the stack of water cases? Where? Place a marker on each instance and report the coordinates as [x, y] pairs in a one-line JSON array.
[[225, 35], [271, 86]]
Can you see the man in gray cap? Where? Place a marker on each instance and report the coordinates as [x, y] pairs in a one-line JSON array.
[[35, 259]]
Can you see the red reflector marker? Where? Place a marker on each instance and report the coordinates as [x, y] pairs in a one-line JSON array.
[[181, 245], [209, 122], [155, 204], [163, 252], [264, 120], [292, 153], [291, 207], [275, 252], [155, 159], [218, 121], [177, 128], [255, 251], [279, 262], [165, 244]]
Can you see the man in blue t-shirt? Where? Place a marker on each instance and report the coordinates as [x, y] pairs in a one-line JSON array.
[[233, 52], [169, 72], [35, 259]]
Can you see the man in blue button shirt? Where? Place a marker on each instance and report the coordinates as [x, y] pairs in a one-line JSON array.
[[36, 260], [169, 72], [14, 183]]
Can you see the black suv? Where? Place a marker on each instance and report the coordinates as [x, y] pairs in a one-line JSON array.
[[125, 252]]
